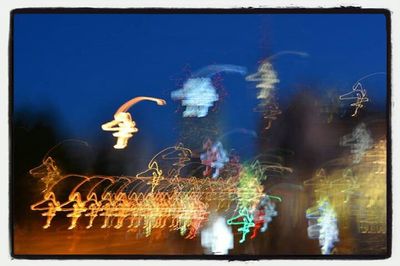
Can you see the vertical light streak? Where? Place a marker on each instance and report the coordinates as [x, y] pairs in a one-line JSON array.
[[323, 226]]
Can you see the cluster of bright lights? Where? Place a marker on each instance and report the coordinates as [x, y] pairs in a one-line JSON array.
[[263, 215], [254, 206], [160, 198], [214, 158], [322, 225], [371, 214], [123, 125], [250, 189], [355, 192], [217, 238], [359, 141], [256, 218], [266, 78], [333, 192], [245, 219], [157, 198], [198, 93], [359, 94], [176, 211]]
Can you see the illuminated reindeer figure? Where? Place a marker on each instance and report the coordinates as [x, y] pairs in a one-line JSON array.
[[48, 173]]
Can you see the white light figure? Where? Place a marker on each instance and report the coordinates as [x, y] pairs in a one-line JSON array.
[[198, 93], [218, 238], [322, 225], [123, 124], [215, 158], [359, 141]]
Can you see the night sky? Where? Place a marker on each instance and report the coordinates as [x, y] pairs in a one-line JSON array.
[[83, 67]]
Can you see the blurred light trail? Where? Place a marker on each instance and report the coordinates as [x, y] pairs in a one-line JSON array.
[[123, 124]]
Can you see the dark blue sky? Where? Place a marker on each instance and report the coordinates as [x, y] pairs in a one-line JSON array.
[[86, 66]]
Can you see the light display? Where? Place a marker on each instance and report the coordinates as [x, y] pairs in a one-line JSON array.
[[198, 93], [161, 198], [263, 215], [322, 225], [157, 198], [214, 157], [266, 78], [123, 124], [354, 193], [268, 211], [250, 196], [245, 219], [217, 238], [359, 141], [276, 155], [371, 213], [359, 94]]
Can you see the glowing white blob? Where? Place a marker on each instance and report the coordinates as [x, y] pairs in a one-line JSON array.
[[359, 141], [198, 95], [218, 238]]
